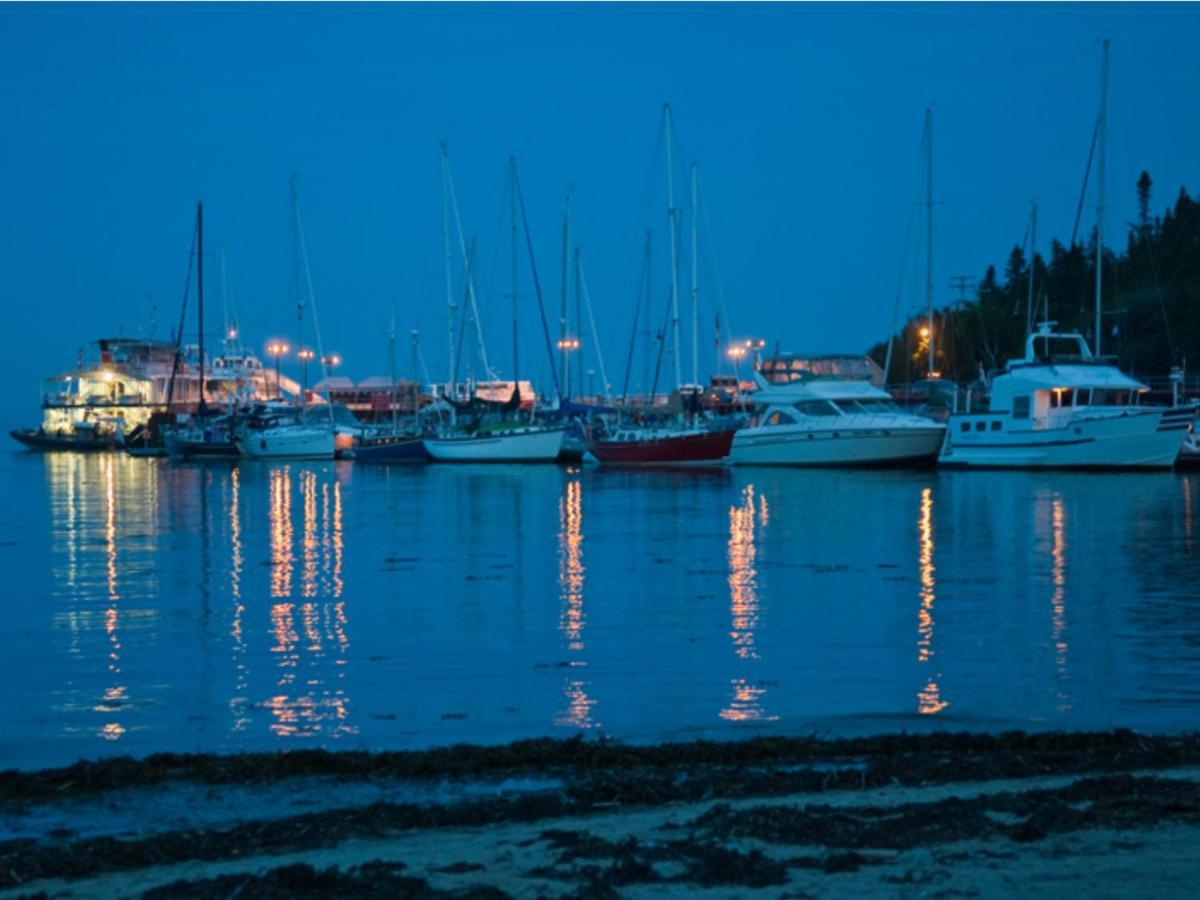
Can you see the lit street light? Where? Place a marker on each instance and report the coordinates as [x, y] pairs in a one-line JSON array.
[[567, 345], [277, 349], [305, 355]]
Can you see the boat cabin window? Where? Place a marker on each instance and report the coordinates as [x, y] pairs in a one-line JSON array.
[[779, 417], [817, 408], [1020, 407], [997, 425], [980, 426]]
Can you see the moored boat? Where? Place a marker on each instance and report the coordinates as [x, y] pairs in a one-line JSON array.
[[501, 443], [662, 446], [1073, 410], [828, 412], [392, 447]]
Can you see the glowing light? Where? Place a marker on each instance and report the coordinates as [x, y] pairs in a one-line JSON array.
[[568, 344], [924, 332], [735, 352]]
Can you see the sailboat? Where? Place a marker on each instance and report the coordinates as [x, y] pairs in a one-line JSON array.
[[289, 434], [393, 444], [1063, 405], [680, 442], [503, 441]]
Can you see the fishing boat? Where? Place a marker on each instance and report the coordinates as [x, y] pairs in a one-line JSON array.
[[828, 412], [1066, 409]]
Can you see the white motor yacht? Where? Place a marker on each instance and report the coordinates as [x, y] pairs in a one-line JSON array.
[[285, 436], [1070, 410], [829, 413]]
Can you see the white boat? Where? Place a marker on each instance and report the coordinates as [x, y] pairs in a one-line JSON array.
[[495, 444], [1070, 410], [285, 436], [831, 414]]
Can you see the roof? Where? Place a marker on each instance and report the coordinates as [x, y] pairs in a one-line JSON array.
[[334, 383], [820, 389], [1073, 376]]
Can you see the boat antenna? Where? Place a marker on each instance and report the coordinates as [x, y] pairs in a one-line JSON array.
[[537, 285], [392, 362], [1101, 127], [1032, 258], [200, 292], [563, 360], [451, 361]]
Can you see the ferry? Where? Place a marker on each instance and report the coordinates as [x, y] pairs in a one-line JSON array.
[[1059, 408]]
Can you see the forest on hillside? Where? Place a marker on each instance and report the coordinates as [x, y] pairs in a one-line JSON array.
[[1150, 302]]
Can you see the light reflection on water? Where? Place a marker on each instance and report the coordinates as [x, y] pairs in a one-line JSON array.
[[188, 607]]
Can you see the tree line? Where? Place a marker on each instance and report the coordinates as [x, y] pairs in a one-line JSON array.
[[1150, 302]]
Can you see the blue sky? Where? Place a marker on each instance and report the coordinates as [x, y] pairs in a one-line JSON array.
[[805, 122]]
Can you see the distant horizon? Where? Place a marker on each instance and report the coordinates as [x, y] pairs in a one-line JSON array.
[[805, 122]]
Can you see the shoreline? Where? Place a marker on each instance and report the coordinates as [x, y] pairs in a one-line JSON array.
[[556, 818]]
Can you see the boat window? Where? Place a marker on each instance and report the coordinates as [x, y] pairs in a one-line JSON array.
[[1020, 407], [1083, 396], [980, 425], [779, 417], [997, 425], [1055, 399], [817, 408], [966, 426]]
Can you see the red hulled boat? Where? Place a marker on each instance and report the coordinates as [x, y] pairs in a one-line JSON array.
[[662, 446]]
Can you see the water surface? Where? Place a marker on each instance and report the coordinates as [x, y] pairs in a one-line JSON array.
[[152, 605]]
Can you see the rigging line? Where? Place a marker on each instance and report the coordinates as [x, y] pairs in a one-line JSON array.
[[637, 310], [462, 244], [712, 255], [462, 327], [1083, 191], [649, 183], [312, 298], [537, 284], [662, 346], [187, 283], [587, 303]]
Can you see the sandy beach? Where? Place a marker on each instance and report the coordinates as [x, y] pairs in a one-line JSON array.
[[1106, 814]]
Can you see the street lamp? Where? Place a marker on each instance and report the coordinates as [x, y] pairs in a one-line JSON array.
[[567, 345], [305, 355], [331, 361], [591, 374], [277, 349]]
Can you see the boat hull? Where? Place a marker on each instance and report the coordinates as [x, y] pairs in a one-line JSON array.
[[391, 450], [786, 446], [201, 449], [286, 443], [524, 445], [1137, 439], [36, 439], [708, 447]]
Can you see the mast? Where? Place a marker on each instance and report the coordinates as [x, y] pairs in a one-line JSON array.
[[578, 324], [512, 212], [392, 362], [563, 359], [1101, 126], [1032, 257], [450, 362], [674, 250], [200, 291], [929, 232], [649, 329], [695, 272], [299, 273]]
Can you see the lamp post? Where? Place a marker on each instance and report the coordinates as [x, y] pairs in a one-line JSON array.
[[305, 355], [566, 346], [591, 373], [277, 349]]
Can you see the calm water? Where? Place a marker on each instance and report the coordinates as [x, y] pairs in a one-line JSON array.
[[152, 605]]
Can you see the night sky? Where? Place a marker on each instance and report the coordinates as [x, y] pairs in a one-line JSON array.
[[805, 121]]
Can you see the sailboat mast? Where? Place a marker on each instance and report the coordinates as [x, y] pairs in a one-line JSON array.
[[929, 233], [563, 361], [450, 361], [512, 211], [695, 273], [392, 363], [1032, 257], [200, 291], [578, 324], [1101, 127], [299, 270], [649, 329], [674, 251]]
